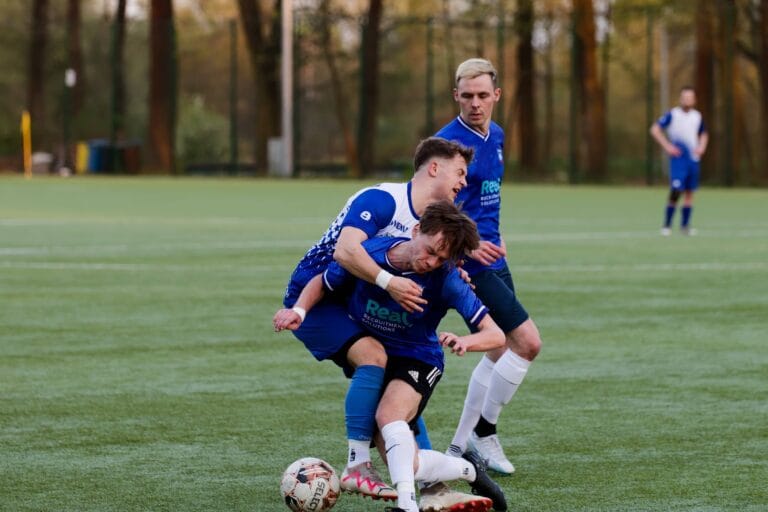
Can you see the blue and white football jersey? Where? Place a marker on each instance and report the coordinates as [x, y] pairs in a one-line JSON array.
[[405, 334], [382, 210], [481, 198], [683, 130]]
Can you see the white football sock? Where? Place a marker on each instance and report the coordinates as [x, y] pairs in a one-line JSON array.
[[439, 467], [359, 452], [508, 372], [401, 450], [476, 391]]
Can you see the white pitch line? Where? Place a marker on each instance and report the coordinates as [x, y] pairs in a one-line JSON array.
[[138, 267], [154, 221]]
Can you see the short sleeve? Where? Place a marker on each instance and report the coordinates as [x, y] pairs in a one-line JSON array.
[[459, 296], [665, 119], [371, 211]]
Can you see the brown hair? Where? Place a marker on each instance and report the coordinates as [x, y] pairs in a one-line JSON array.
[[460, 234], [436, 147]]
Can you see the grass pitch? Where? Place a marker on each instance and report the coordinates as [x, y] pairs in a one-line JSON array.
[[138, 369]]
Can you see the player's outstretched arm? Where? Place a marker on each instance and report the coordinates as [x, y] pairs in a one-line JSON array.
[[292, 318], [488, 337], [351, 255]]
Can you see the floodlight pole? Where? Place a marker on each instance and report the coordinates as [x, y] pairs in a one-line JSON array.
[[287, 87]]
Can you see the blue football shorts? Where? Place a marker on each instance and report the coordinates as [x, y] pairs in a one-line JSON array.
[[328, 330], [497, 291], [683, 173]]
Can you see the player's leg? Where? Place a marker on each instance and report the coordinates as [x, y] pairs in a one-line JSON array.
[[677, 174], [510, 365], [329, 333], [690, 185], [400, 402]]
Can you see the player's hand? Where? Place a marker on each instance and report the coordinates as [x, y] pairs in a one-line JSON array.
[[464, 275], [699, 152], [286, 319], [673, 151], [488, 252], [455, 343], [406, 293]]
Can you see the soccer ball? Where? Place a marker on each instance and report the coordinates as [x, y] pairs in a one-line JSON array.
[[310, 485]]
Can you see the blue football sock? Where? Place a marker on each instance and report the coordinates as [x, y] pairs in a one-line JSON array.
[[686, 216], [668, 214], [361, 402], [422, 438]]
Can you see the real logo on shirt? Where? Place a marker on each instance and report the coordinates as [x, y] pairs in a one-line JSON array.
[[500, 154], [366, 215], [376, 310]]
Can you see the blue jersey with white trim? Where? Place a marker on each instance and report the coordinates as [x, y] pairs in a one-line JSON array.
[[382, 210], [481, 198], [405, 334], [683, 130]]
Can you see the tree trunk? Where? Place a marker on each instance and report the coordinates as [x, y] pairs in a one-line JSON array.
[[705, 82], [340, 105], [549, 99], [118, 73], [262, 33], [36, 68], [592, 100], [526, 123], [162, 87], [369, 85], [75, 54], [763, 71]]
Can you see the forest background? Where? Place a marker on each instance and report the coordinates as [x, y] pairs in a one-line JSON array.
[[194, 85]]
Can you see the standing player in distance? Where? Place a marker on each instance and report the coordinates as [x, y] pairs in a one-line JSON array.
[[685, 142], [500, 372], [388, 209], [414, 349]]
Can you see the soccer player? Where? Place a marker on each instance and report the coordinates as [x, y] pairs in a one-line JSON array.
[[500, 372], [414, 349], [388, 209], [685, 142]]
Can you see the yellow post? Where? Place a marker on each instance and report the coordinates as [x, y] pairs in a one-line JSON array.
[[26, 137]]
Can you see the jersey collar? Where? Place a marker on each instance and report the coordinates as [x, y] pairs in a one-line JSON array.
[[465, 125]]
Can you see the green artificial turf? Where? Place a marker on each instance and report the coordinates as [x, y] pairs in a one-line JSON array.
[[139, 371]]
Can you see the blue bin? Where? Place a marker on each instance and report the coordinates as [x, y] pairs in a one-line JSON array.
[[97, 155]]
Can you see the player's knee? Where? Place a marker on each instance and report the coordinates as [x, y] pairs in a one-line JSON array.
[[367, 352], [674, 195], [525, 341]]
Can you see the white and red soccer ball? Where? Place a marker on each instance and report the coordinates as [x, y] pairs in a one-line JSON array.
[[310, 485]]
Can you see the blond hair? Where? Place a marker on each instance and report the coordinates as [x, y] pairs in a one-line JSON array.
[[472, 68]]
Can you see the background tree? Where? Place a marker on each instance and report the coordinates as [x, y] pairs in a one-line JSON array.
[[162, 86], [36, 70], [591, 98], [762, 67], [261, 23], [340, 103], [704, 81], [369, 86], [118, 72], [75, 53], [525, 94]]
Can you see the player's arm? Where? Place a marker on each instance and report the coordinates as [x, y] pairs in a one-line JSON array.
[[703, 142], [658, 134], [351, 255], [292, 318], [488, 337]]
